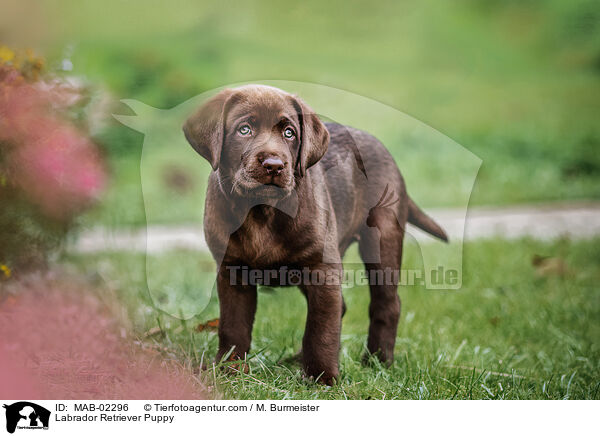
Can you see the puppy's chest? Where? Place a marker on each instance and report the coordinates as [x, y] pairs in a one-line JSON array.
[[265, 240]]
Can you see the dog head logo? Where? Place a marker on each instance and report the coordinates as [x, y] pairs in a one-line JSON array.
[[26, 415]]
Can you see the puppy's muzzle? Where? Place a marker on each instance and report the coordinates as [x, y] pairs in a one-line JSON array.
[[270, 169], [273, 165]]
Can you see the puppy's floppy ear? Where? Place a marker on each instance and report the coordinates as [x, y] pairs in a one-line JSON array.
[[314, 137], [205, 129]]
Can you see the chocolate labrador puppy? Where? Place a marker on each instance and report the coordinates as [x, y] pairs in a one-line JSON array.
[[289, 193]]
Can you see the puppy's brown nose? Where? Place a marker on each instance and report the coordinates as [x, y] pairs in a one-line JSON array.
[[273, 165]]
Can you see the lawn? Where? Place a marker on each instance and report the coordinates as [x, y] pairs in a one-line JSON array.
[[514, 331]]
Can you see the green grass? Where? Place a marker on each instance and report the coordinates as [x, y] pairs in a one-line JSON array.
[[509, 333], [516, 83]]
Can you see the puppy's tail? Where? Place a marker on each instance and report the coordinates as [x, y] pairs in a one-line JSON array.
[[418, 218]]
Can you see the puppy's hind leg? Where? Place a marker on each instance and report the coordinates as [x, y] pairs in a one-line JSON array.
[[381, 252]]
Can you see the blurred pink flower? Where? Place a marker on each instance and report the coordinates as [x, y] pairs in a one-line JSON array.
[[57, 340], [60, 171], [56, 166]]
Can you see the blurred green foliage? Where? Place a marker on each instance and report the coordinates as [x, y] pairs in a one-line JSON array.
[[515, 82]]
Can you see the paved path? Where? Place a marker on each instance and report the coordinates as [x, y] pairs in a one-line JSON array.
[[578, 221]]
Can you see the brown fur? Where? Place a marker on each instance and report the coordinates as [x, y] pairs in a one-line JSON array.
[[334, 185]]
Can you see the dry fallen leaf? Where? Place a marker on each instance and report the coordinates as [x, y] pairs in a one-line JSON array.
[[211, 325], [153, 331], [549, 266]]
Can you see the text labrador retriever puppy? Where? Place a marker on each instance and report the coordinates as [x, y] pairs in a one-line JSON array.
[[291, 193]]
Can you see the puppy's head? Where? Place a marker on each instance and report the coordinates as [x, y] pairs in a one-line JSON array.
[[259, 139]]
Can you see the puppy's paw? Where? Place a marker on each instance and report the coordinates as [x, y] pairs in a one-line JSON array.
[[238, 367], [233, 364], [325, 377], [378, 358], [293, 359]]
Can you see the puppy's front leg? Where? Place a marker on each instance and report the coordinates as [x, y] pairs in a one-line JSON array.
[[321, 343], [237, 305]]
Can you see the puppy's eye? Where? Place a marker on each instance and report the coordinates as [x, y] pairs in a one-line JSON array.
[[289, 133], [244, 130]]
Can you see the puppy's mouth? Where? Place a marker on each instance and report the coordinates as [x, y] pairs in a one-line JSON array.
[[246, 186], [269, 190]]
